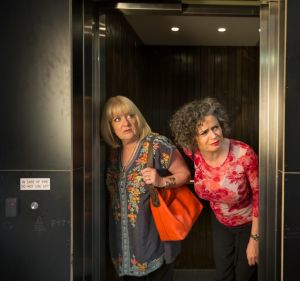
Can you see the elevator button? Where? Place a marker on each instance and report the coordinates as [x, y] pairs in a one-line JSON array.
[[34, 205]]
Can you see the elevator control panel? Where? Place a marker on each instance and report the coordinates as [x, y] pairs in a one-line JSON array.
[[11, 207]]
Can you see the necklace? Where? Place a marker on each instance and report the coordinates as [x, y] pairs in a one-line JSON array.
[[124, 164]]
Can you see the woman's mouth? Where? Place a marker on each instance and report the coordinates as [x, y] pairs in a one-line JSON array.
[[216, 143]]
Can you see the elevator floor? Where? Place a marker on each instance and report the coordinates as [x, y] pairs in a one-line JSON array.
[[194, 275]]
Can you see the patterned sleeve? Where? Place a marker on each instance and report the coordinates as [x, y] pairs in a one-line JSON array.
[[252, 175], [163, 149]]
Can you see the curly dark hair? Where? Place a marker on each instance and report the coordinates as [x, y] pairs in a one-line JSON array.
[[186, 120]]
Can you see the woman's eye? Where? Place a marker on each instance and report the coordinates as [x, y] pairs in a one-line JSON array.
[[130, 116], [116, 119], [204, 133]]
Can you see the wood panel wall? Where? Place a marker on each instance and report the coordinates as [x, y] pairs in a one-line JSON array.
[[176, 75], [124, 58], [159, 79]]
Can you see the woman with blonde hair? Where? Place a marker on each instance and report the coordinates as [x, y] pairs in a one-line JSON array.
[[136, 250]]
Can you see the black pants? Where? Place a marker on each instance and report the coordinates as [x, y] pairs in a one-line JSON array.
[[230, 244], [164, 273]]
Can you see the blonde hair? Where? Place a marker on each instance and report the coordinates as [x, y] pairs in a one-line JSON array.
[[114, 106]]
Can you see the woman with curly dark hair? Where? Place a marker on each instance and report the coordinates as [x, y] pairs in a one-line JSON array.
[[226, 174]]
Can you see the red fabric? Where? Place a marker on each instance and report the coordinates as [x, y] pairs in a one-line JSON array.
[[231, 188]]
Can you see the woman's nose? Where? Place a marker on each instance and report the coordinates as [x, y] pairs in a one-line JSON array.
[[212, 133], [126, 121]]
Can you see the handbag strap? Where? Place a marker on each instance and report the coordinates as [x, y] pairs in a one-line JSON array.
[[152, 190], [150, 161]]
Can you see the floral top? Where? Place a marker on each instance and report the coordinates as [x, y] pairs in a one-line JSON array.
[[135, 246], [231, 188]]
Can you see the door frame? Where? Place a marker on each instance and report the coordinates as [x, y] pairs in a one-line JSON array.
[[271, 120], [271, 138]]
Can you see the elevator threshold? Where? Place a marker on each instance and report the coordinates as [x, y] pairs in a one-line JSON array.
[[194, 274]]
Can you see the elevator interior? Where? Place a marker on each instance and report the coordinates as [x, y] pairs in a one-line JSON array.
[[160, 74], [60, 62]]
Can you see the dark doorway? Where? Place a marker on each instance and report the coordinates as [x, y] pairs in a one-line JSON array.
[[160, 77]]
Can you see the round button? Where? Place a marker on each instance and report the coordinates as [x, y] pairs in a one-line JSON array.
[[34, 205]]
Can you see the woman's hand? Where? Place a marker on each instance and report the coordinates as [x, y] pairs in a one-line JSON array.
[[180, 173], [150, 176], [252, 252]]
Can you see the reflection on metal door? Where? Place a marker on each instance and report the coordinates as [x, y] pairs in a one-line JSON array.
[[271, 133]]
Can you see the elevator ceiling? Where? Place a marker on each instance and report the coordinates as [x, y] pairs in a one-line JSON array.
[[196, 30]]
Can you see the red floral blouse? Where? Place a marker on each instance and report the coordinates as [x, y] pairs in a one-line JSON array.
[[231, 188]]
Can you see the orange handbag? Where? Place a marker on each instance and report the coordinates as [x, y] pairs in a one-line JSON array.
[[174, 210]]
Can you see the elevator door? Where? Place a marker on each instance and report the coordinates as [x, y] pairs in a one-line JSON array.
[[161, 78]]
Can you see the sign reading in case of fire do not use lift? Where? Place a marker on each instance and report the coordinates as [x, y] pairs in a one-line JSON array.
[[34, 183]]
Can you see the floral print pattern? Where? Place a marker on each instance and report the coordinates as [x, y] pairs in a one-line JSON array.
[[231, 188], [131, 222]]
